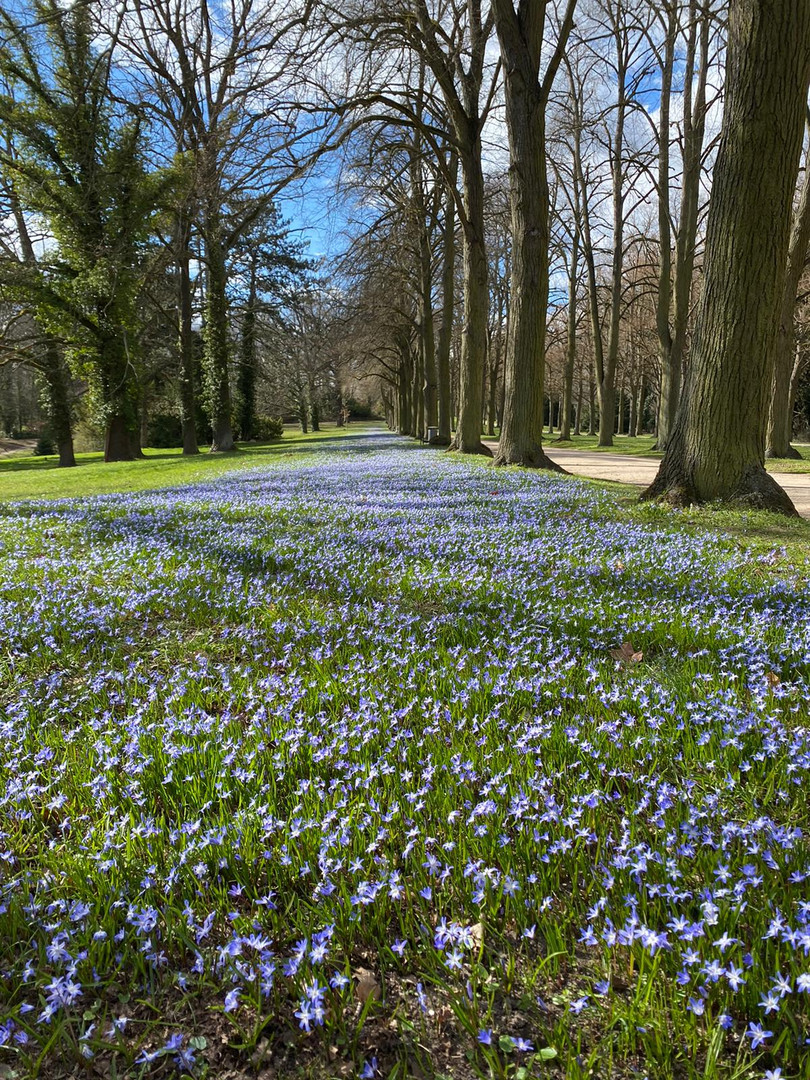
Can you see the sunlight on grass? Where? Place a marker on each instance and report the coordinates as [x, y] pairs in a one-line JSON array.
[[31, 477]]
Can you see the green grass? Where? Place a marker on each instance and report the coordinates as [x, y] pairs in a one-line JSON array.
[[33, 477], [642, 446]]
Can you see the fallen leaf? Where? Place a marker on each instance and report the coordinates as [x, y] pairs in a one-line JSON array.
[[772, 679], [626, 654], [367, 986]]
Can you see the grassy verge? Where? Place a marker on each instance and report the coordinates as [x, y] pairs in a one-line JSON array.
[[31, 477], [380, 762]]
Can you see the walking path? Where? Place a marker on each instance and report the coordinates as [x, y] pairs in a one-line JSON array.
[[641, 471]]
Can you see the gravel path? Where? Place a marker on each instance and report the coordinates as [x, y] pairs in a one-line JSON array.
[[599, 465]]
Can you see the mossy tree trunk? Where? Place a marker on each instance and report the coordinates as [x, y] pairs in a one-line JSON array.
[[717, 448], [57, 390], [247, 365]]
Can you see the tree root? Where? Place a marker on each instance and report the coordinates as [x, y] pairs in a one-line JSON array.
[[756, 490], [791, 455], [535, 458], [481, 449]]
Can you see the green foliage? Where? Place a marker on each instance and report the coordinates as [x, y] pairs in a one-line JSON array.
[[268, 427], [78, 163], [44, 445], [164, 430]]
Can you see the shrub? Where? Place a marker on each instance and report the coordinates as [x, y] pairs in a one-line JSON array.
[[268, 427], [44, 445]]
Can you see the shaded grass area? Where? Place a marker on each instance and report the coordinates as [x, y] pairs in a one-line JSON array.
[[33, 477], [336, 767]]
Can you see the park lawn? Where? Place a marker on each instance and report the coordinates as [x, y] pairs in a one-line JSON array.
[[641, 446], [31, 477], [377, 761]]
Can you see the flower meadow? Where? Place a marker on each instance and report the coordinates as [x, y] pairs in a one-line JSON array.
[[378, 762]]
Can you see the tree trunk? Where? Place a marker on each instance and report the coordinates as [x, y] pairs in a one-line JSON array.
[[476, 303], [185, 336], [520, 37], [670, 375], [427, 335], [247, 365], [121, 437], [57, 391], [642, 393], [571, 343], [780, 414], [117, 443], [717, 448], [694, 129], [215, 336], [445, 409], [53, 369]]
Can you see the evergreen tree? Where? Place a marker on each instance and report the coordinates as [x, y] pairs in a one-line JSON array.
[[79, 166]]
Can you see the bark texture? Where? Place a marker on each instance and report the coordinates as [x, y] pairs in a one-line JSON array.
[[780, 414], [215, 337], [476, 303], [448, 300], [521, 34], [673, 335], [717, 448], [185, 336]]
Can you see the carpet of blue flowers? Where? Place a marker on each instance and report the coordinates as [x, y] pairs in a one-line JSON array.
[[378, 762]]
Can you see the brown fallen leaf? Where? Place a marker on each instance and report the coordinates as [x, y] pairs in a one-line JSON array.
[[772, 679], [367, 986], [626, 654]]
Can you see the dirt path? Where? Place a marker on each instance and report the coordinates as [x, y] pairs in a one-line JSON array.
[[641, 471], [9, 447]]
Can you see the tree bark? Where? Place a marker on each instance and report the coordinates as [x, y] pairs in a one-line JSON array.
[[121, 441], [215, 335], [521, 34], [185, 336], [57, 390], [247, 365], [717, 448], [780, 413], [445, 409], [476, 301], [694, 128], [571, 343]]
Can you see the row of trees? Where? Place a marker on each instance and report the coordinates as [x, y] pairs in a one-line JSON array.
[[610, 166], [535, 238], [145, 147]]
